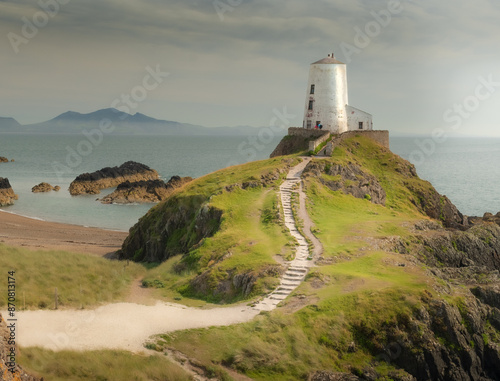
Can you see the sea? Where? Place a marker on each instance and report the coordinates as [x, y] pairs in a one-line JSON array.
[[465, 169]]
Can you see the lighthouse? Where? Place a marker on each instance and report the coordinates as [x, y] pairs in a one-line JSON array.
[[327, 102]]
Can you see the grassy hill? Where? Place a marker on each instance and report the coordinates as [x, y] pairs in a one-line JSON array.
[[378, 306]]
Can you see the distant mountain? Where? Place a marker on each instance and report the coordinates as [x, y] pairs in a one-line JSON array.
[[8, 124], [121, 123]]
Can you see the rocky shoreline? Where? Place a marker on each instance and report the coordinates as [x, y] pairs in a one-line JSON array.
[[144, 191], [45, 187], [7, 195], [92, 183]]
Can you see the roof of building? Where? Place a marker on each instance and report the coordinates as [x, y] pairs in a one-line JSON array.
[[328, 60]]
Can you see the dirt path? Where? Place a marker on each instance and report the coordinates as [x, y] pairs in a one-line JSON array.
[[128, 325]]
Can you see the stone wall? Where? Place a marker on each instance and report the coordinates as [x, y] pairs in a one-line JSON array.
[[306, 132], [315, 143]]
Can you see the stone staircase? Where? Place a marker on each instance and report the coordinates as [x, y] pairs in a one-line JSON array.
[[298, 267]]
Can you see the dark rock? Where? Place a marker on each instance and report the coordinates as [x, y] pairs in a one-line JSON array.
[[45, 187], [171, 228], [145, 191], [331, 376], [478, 246], [352, 179], [92, 183], [488, 295], [7, 195]]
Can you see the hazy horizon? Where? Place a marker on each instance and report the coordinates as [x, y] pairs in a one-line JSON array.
[[416, 67]]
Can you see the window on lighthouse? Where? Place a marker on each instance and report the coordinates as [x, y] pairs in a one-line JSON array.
[[312, 89], [310, 105]]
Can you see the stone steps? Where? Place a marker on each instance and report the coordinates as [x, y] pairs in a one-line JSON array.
[[298, 267]]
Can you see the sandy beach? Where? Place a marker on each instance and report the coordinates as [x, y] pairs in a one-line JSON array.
[[35, 234]]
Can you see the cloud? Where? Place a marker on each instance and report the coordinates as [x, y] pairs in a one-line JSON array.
[[235, 71]]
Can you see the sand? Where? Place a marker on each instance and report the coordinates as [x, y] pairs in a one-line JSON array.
[[35, 234], [118, 326]]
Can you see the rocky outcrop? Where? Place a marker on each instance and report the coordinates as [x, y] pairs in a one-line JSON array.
[[172, 229], [92, 183], [10, 371], [350, 179], [452, 340], [487, 217], [45, 187], [7, 195], [436, 206], [478, 247], [230, 284], [145, 191], [441, 341]]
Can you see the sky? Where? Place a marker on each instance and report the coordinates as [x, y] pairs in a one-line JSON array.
[[419, 67]]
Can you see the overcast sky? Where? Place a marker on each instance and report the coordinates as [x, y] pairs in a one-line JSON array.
[[235, 64]]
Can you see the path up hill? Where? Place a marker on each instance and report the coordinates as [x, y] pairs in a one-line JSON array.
[[407, 288]]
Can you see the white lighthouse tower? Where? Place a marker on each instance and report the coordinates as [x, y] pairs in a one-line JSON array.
[[327, 101]]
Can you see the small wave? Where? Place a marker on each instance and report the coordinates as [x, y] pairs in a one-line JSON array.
[[22, 215]]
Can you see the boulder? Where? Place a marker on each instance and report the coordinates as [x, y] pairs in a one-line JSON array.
[[92, 183], [7, 195], [3, 159], [144, 191], [45, 187]]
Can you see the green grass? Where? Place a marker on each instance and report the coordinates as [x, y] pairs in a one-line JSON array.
[[344, 222], [250, 236], [81, 280], [359, 298], [99, 365]]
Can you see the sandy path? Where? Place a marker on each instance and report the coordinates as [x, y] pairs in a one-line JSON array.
[[121, 325], [35, 234]]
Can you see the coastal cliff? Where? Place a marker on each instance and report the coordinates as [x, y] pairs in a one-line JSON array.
[[407, 288], [7, 195], [144, 191], [92, 183]]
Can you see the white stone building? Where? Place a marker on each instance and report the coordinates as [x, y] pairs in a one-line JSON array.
[[326, 99]]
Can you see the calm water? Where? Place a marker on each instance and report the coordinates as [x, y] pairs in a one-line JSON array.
[[49, 159], [466, 170]]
